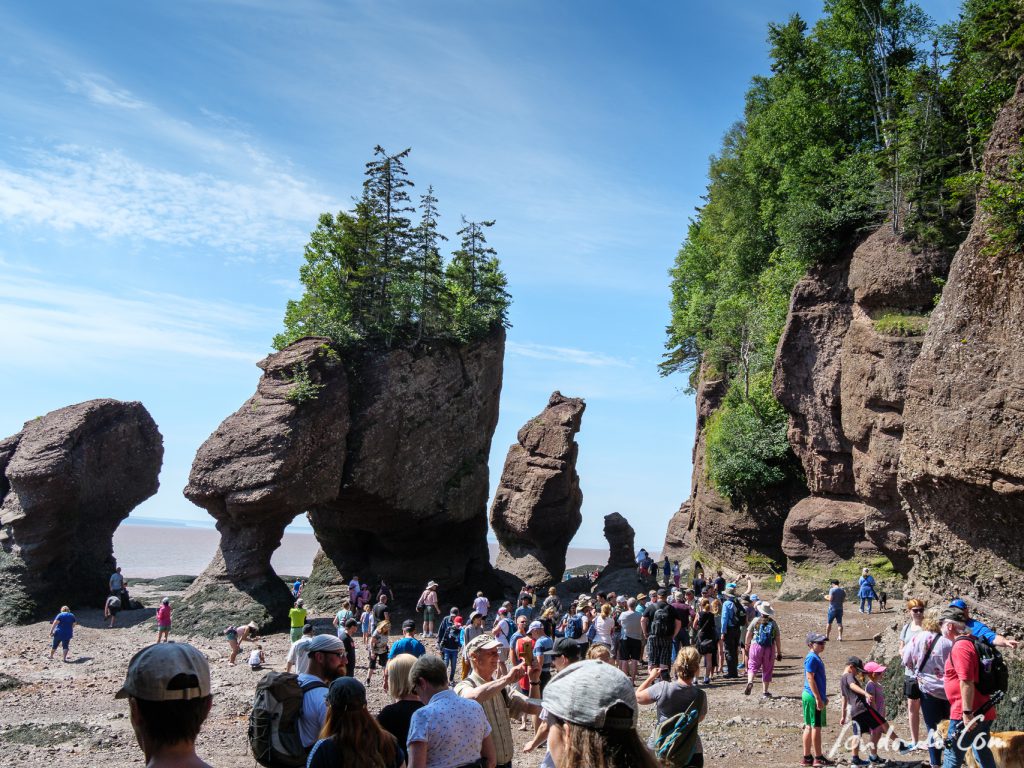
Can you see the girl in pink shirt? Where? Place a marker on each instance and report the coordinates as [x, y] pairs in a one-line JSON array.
[[163, 619]]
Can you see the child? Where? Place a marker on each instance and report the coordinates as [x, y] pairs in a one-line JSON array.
[[163, 619], [379, 647], [256, 658], [874, 688], [366, 622], [859, 709], [814, 699]]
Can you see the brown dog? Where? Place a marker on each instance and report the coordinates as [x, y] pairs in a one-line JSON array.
[[1007, 748]]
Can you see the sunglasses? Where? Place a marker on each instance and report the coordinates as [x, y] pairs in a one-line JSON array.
[[917, 610]]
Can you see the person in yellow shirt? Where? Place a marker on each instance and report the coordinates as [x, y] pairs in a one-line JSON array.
[[297, 617]]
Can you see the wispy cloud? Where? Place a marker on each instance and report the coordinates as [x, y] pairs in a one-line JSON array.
[[114, 196], [48, 323], [100, 90], [565, 355]]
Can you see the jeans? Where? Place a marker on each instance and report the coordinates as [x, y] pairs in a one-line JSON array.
[[934, 710], [451, 659], [863, 601], [954, 756]]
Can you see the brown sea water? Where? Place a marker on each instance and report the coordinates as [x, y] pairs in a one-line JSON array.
[[146, 551]]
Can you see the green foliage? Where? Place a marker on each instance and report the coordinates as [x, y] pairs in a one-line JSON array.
[[901, 323], [303, 387], [747, 448], [1004, 202], [373, 279]]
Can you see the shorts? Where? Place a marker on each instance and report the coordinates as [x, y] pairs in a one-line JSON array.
[[911, 690], [630, 649], [296, 634], [836, 615], [113, 611], [866, 722], [58, 640], [659, 651], [429, 613], [503, 654], [544, 677], [378, 659], [163, 627], [813, 717]]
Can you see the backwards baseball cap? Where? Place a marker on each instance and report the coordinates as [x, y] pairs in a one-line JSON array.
[[484, 642], [958, 603], [322, 643], [534, 625], [584, 693], [346, 694], [855, 662], [566, 646], [816, 637], [952, 613], [167, 672], [408, 624]]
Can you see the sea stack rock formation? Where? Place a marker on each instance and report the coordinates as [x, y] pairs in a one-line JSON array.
[[536, 508], [386, 453], [737, 536], [67, 480], [841, 371], [621, 540], [962, 461], [277, 455]]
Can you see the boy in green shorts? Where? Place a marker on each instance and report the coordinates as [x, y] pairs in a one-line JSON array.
[[814, 700]]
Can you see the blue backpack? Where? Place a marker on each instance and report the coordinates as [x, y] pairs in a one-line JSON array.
[[574, 627], [765, 633]]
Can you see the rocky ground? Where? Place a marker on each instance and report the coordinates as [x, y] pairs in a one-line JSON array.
[[51, 708]]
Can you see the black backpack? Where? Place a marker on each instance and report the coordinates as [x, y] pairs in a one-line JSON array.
[[450, 641], [993, 674], [739, 613], [274, 721], [663, 625]]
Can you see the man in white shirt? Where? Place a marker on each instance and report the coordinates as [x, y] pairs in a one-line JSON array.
[[298, 654], [481, 604], [326, 656]]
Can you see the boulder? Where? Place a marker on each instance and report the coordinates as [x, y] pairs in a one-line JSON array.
[[621, 538], [825, 530], [536, 508], [962, 459], [69, 479], [386, 453], [677, 546]]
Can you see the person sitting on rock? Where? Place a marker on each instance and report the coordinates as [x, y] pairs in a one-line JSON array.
[[169, 699]]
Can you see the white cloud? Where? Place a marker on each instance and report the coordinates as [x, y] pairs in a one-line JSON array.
[[565, 355], [100, 90], [114, 196], [46, 323]]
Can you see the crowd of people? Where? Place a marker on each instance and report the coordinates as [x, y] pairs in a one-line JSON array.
[[572, 672]]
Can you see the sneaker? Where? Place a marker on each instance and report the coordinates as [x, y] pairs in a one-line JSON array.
[[748, 689], [767, 695], [858, 761], [807, 760], [905, 747], [821, 760], [875, 760]]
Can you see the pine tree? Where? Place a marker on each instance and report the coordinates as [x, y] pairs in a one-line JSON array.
[[475, 287], [426, 272]]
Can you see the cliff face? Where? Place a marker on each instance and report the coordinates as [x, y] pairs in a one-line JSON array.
[[66, 481], [962, 459], [536, 509], [709, 523], [843, 382], [386, 453]]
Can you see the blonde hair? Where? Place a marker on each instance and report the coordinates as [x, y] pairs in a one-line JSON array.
[[601, 653], [383, 627], [606, 610], [687, 663], [930, 622], [705, 604], [399, 684]]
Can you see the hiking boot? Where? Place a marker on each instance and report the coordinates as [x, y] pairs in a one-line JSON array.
[[749, 688]]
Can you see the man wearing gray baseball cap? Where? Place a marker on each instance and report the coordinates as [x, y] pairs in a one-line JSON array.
[[168, 692]]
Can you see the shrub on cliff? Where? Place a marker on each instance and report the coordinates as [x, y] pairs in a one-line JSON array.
[[374, 279]]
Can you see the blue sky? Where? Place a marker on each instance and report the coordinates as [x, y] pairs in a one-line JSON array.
[[162, 164]]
